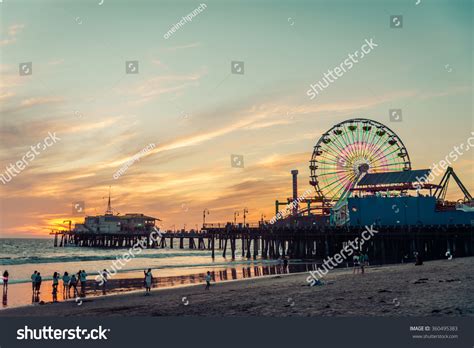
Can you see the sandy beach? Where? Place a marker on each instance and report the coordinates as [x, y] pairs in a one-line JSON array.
[[437, 288]]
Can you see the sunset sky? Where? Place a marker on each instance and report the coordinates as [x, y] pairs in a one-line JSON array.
[[186, 101]]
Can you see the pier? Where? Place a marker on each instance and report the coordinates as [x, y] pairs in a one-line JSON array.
[[389, 245], [352, 189]]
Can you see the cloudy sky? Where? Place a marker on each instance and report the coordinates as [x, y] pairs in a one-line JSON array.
[[186, 101]]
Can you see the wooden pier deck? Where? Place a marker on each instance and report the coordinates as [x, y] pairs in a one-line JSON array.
[[388, 245]]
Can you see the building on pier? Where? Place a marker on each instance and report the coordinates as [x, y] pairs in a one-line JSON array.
[[128, 223], [401, 198], [135, 223]]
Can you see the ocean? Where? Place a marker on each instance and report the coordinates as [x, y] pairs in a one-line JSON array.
[[21, 257], [170, 267]]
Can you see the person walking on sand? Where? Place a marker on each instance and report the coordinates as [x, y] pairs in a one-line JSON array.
[[418, 259], [148, 281], [83, 279], [208, 280], [285, 265], [355, 260], [38, 283], [78, 277], [362, 262], [66, 278], [104, 281], [55, 281], [55, 293], [55, 286], [33, 281], [366, 259], [73, 284], [5, 282]]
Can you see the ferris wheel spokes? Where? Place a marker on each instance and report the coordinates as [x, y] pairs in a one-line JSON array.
[[350, 149]]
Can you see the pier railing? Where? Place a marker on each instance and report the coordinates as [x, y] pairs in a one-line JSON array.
[[231, 225]]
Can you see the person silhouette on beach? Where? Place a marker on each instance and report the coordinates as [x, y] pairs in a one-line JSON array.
[[285, 264], [83, 278], [66, 278], [33, 285], [418, 259], [362, 262], [55, 281], [33, 282], [5, 282], [208, 280], [55, 286], [366, 259], [355, 260], [73, 284], [104, 281], [148, 281], [38, 283]]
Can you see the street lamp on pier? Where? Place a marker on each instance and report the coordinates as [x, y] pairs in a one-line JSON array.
[[204, 212], [236, 213], [245, 214]]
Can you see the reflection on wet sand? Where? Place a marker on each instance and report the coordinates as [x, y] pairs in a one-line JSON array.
[[120, 285], [5, 289]]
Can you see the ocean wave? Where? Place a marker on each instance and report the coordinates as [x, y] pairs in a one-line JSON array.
[[80, 258]]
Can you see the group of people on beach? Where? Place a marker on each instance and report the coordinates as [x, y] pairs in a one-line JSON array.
[[75, 280], [68, 282], [360, 261]]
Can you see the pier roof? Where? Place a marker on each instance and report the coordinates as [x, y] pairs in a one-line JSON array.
[[388, 178], [136, 215]]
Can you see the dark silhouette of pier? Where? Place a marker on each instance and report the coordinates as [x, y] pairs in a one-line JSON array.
[[391, 244]]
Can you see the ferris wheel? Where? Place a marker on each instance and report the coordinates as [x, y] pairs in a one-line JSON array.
[[349, 150]]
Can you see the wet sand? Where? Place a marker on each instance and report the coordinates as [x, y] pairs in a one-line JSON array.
[[437, 288]]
